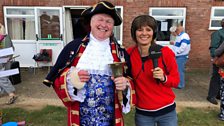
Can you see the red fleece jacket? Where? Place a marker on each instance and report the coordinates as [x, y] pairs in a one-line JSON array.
[[151, 95]]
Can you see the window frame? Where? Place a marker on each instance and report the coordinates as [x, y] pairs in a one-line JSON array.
[[7, 16], [37, 10], [216, 18], [120, 40], [34, 16], [157, 17]]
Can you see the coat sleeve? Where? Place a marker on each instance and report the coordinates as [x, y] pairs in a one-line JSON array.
[[219, 50], [60, 87], [215, 42], [62, 60]]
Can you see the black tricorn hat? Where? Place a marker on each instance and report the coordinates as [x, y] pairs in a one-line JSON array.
[[103, 7]]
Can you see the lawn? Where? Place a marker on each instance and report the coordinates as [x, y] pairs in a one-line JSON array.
[[48, 116], [56, 116]]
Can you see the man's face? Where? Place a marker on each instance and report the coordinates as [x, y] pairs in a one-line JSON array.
[[101, 26]]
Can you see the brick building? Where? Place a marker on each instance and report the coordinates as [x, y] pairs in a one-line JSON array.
[[199, 17]]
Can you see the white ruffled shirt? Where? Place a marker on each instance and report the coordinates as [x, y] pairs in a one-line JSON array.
[[95, 60], [96, 57]]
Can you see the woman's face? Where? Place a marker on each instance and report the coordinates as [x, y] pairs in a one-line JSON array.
[[144, 35], [102, 26]]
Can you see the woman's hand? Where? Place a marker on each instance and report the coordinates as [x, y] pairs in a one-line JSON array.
[[121, 83], [158, 74]]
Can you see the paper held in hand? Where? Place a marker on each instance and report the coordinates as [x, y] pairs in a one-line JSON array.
[[6, 51], [75, 79], [10, 72], [4, 60]]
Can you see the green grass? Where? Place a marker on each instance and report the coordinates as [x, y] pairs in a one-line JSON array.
[[189, 117], [199, 117], [48, 116], [56, 116]]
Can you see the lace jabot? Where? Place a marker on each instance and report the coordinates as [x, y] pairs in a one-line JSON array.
[[96, 57]]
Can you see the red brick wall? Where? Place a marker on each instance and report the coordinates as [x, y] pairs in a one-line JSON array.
[[197, 19]]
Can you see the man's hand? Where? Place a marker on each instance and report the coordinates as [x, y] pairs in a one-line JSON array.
[[121, 83], [83, 75]]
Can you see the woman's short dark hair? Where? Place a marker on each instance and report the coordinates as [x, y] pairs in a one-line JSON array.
[[143, 20]]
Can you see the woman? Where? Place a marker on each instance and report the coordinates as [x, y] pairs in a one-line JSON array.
[[155, 73]]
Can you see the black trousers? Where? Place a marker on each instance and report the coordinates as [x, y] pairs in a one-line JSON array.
[[215, 83]]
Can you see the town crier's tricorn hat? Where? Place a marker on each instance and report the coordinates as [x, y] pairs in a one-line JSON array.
[[103, 7]]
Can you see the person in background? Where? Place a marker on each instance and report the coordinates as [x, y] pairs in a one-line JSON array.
[[83, 79], [5, 84], [154, 76], [217, 39], [218, 52], [181, 48]]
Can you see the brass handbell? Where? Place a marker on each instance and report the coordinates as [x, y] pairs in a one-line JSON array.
[[117, 71]]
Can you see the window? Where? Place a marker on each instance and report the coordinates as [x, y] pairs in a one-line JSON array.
[[166, 18], [49, 24], [118, 30], [33, 23], [217, 14], [20, 23]]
